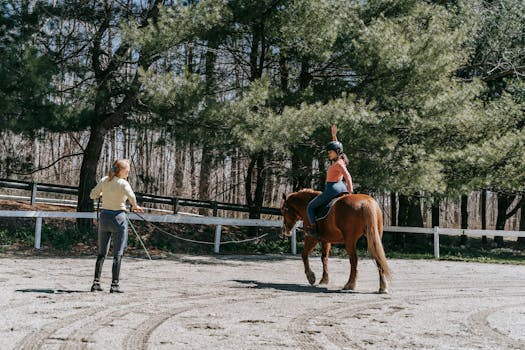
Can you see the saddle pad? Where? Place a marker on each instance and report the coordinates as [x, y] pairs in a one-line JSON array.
[[322, 212]]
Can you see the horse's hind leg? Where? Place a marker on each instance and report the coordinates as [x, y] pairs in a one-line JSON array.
[[383, 287], [352, 253], [309, 245], [324, 258]]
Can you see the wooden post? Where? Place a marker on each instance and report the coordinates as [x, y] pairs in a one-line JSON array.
[[217, 243], [33, 193], [436, 242], [38, 232]]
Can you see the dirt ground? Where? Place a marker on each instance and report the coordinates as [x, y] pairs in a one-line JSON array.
[[259, 302]]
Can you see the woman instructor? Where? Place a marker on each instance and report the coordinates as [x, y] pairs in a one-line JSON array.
[[115, 190]]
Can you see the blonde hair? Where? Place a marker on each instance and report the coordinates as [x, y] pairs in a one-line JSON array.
[[117, 167]]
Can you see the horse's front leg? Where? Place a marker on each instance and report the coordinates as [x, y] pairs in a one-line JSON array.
[[309, 245], [324, 258]]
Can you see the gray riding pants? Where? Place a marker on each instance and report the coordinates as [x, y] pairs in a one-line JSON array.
[[112, 223]]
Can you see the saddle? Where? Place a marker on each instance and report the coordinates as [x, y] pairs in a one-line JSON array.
[[322, 212]]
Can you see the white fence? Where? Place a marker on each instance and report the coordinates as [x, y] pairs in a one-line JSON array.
[[219, 222], [175, 219]]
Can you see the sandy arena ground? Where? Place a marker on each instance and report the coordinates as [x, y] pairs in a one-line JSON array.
[[259, 302]]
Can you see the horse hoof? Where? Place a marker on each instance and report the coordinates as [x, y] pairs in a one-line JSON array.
[[349, 287], [383, 291], [311, 278], [323, 281]]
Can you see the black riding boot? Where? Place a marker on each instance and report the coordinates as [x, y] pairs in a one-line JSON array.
[[312, 231], [98, 271], [116, 272]]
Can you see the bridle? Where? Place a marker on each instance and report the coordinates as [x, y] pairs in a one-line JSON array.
[[287, 209]]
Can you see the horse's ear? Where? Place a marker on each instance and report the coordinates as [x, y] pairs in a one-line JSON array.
[[284, 196]]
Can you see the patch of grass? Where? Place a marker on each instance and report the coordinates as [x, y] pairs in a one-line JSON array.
[[488, 260], [273, 246], [22, 235], [451, 249], [64, 239]]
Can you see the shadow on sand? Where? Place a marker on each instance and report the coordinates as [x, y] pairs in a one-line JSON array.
[[299, 288], [50, 291]]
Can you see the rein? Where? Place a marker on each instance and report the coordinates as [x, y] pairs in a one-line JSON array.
[[193, 240]]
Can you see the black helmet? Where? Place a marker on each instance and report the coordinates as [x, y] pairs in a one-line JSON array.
[[335, 146]]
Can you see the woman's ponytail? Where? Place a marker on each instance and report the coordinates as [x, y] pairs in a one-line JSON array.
[[117, 166], [112, 171]]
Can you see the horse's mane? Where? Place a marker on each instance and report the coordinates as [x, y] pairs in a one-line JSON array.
[[302, 195], [307, 193], [309, 190]]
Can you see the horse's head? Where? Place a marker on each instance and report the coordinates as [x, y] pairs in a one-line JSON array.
[[293, 208], [290, 215]]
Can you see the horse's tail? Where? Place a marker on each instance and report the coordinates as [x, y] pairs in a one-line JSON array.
[[373, 227]]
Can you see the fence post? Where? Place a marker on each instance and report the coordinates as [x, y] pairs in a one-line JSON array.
[[215, 208], [33, 193], [38, 232], [217, 243], [294, 240], [436, 242]]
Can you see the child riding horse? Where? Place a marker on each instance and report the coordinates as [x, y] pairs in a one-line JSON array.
[[349, 218], [334, 186]]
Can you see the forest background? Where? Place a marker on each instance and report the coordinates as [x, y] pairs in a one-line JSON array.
[[232, 100]]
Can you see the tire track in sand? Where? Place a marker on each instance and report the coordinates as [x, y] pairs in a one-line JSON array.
[[138, 339], [479, 325]]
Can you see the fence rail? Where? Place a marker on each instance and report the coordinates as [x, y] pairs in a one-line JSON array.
[[175, 202], [174, 219], [219, 222]]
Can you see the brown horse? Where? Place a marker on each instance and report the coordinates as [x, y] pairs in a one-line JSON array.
[[350, 217]]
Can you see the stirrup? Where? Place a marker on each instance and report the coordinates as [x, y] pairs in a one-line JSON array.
[[312, 231]]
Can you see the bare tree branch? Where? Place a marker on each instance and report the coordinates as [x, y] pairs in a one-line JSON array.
[[50, 165]]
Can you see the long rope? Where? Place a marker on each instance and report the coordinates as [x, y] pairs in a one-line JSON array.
[[133, 228], [196, 241]]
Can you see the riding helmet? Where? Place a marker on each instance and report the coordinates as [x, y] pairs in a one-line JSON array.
[[335, 146]]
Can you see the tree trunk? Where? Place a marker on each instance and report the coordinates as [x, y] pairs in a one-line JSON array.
[[204, 177], [393, 209], [305, 77], [435, 212], [255, 200], [284, 73], [464, 217], [180, 161], [207, 154], [402, 220], [504, 202], [301, 169], [522, 221], [410, 211], [193, 172], [435, 216], [88, 173], [484, 214], [409, 215]]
